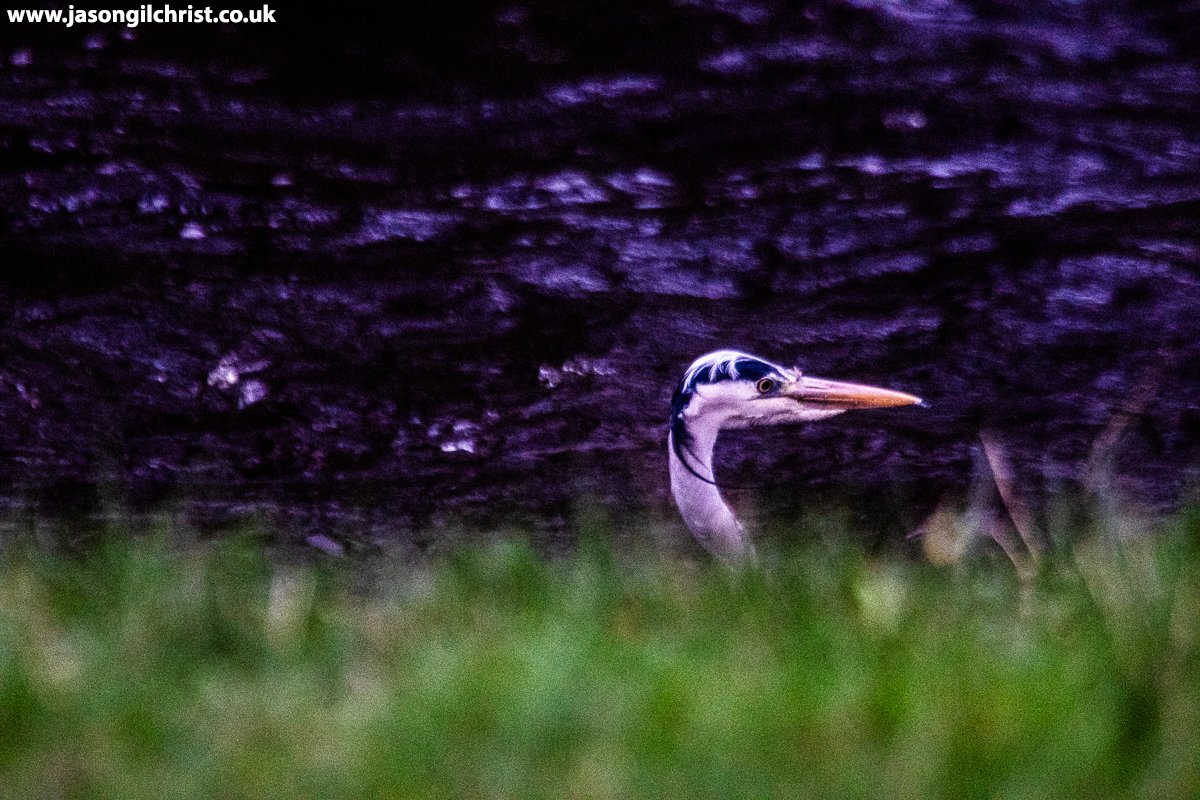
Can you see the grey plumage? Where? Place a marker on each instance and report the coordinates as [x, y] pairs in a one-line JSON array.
[[730, 389]]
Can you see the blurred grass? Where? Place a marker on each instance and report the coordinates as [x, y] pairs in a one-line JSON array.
[[149, 669]]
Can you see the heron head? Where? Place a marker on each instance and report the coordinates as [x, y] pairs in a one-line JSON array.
[[730, 389]]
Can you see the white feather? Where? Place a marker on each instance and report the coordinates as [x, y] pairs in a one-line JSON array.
[[714, 362]]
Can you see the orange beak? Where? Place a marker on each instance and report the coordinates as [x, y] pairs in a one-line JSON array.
[[836, 394]]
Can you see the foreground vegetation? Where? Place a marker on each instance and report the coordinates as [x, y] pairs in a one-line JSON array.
[[145, 669]]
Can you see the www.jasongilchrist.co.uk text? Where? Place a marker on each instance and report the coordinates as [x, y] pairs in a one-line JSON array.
[[142, 15]]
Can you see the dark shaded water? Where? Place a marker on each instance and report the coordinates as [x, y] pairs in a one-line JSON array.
[[375, 277]]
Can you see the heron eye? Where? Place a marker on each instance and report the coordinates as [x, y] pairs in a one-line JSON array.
[[765, 385]]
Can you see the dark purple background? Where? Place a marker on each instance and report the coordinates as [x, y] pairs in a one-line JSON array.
[[373, 278]]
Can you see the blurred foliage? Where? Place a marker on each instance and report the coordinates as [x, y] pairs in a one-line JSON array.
[[152, 668]]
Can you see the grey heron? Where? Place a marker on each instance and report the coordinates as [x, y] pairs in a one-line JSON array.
[[729, 389]]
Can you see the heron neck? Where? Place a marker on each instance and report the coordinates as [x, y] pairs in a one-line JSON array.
[[703, 508]]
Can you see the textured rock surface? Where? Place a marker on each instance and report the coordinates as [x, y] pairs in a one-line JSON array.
[[378, 276]]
